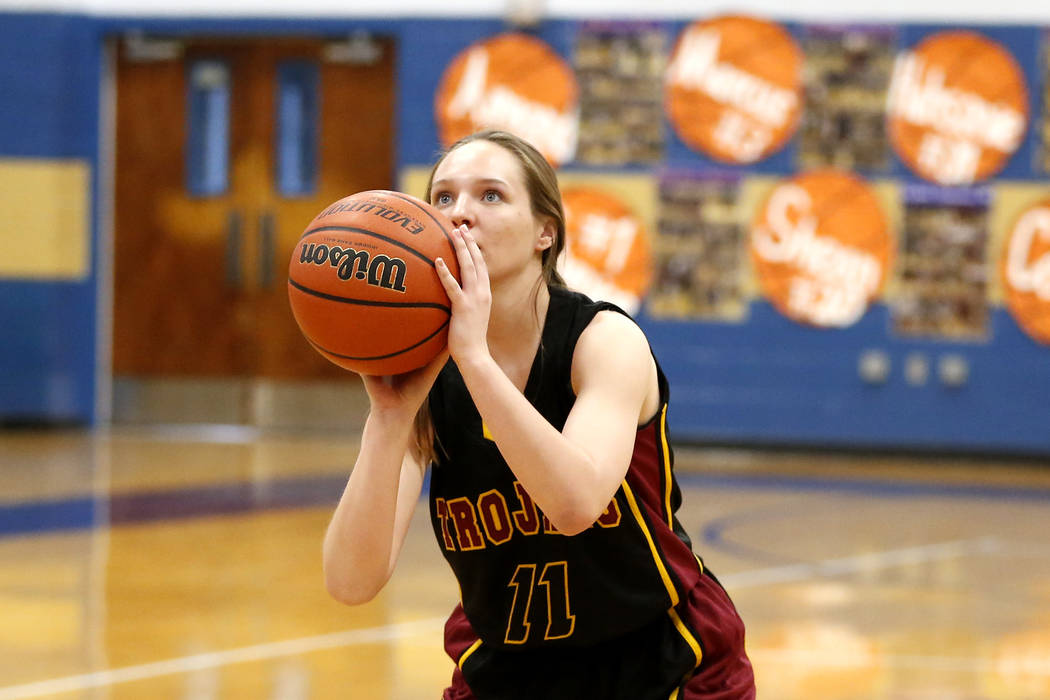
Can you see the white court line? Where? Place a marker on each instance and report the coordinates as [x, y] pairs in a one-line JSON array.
[[874, 561], [772, 575], [257, 652]]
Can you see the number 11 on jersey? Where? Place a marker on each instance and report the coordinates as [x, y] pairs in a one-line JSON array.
[[555, 580]]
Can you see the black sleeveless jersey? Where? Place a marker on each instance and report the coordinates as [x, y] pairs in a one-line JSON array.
[[523, 584]]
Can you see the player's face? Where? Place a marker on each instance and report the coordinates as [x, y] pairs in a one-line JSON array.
[[482, 185]]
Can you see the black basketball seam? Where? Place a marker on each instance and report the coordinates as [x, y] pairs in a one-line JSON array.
[[367, 302], [365, 231], [379, 357], [432, 217]]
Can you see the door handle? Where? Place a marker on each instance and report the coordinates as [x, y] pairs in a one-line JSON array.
[[266, 250], [233, 249]]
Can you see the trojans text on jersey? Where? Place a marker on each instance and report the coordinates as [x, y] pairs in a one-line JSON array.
[[487, 520]]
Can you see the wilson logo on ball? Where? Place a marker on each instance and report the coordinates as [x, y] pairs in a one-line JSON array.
[[377, 270]]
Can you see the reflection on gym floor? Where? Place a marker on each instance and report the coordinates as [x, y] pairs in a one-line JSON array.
[[185, 563]]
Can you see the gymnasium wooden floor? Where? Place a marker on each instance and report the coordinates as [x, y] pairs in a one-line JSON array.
[[185, 563]]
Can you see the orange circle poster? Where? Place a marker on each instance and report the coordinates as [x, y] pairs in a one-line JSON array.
[[1025, 270], [821, 248], [607, 254], [512, 82], [733, 87], [957, 107]]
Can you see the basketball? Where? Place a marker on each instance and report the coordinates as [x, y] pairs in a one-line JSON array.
[[363, 286]]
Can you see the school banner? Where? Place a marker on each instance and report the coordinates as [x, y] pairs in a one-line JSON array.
[[822, 169]]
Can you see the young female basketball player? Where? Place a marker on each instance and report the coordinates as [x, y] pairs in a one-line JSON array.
[[552, 492]]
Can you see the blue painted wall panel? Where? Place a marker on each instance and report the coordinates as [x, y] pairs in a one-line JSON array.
[[767, 380], [47, 357], [49, 77], [771, 380]]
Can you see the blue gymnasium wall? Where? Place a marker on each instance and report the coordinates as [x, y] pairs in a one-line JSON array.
[[767, 380], [49, 81]]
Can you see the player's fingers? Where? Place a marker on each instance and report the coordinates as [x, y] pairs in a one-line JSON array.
[[467, 272], [448, 280], [481, 270]]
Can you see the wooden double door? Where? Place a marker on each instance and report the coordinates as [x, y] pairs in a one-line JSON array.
[[225, 150]]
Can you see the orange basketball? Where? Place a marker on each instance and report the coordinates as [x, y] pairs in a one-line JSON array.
[[363, 286]]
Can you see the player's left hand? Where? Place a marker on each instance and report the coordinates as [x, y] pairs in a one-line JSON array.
[[471, 298]]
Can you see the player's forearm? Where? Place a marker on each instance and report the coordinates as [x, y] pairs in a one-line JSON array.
[[559, 475], [360, 537]]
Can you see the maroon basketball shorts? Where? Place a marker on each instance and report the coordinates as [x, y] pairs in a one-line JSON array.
[[655, 661]]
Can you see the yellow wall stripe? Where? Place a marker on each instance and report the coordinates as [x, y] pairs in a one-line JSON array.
[[45, 233], [470, 650], [668, 584]]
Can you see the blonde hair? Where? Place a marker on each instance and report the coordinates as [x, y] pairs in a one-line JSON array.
[[545, 202]]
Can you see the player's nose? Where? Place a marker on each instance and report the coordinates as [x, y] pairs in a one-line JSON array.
[[461, 212]]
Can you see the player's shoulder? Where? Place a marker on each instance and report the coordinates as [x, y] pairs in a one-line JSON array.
[[610, 325], [602, 314], [612, 340]]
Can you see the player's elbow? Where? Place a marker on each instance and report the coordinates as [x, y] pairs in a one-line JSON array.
[[349, 589], [571, 526], [577, 510], [575, 518]]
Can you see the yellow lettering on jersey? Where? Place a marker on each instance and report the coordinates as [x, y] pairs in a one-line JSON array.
[[560, 621], [465, 520], [518, 625], [441, 508], [526, 518], [549, 528], [611, 516], [495, 517], [485, 432]]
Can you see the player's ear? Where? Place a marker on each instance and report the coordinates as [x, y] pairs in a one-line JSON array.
[[547, 232]]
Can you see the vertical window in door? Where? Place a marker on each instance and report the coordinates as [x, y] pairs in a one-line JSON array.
[[297, 116], [208, 145]]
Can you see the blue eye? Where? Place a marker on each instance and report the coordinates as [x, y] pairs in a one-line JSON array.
[[443, 198], [492, 196]]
